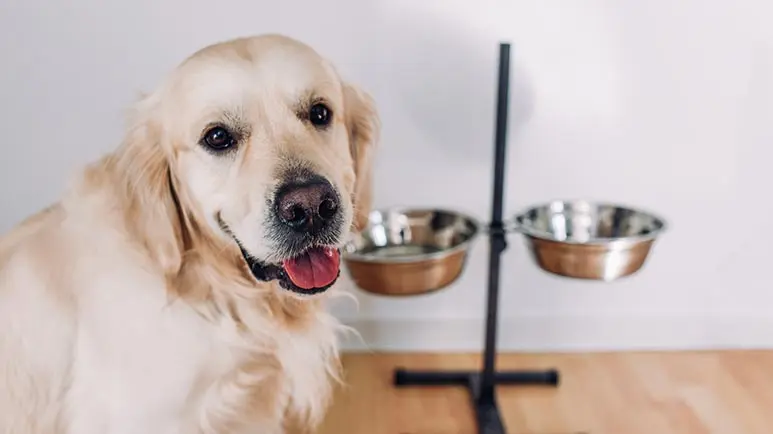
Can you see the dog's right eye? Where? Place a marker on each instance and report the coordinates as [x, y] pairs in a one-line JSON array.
[[218, 139]]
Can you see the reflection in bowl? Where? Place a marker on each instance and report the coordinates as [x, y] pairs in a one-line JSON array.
[[409, 251], [589, 240]]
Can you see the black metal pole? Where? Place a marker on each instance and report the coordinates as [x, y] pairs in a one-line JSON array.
[[497, 236], [482, 384], [500, 136]]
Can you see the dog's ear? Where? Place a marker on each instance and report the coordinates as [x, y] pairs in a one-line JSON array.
[[144, 173], [364, 127]]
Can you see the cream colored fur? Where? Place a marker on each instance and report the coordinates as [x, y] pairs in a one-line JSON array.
[[124, 308]]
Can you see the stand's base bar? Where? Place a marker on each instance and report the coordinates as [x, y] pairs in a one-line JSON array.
[[405, 377], [486, 411]]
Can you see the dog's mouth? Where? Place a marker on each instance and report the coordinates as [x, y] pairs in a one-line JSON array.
[[311, 272]]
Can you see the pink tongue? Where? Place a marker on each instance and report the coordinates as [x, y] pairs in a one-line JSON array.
[[316, 268]]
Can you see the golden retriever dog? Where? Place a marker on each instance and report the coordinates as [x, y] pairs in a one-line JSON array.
[[179, 286]]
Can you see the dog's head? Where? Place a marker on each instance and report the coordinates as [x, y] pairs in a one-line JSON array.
[[263, 148]]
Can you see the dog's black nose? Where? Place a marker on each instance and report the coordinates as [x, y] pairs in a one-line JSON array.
[[307, 207]]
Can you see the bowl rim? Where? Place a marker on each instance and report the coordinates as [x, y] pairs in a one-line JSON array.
[[464, 245], [528, 231]]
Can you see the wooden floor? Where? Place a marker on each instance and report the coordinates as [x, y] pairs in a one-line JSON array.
[[626, 393]]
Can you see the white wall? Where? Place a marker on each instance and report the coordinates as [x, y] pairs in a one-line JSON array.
[[664, 105]]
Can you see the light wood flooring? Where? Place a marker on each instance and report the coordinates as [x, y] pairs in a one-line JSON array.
[[608, 393]]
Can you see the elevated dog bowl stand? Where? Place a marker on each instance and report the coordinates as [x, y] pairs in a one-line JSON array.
[[482, 383]]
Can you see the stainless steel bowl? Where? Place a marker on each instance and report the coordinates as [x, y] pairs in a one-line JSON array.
[[587, 240], [410, 251]]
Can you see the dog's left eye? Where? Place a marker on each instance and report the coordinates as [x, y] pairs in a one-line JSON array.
[[320, 115], [218, 139]]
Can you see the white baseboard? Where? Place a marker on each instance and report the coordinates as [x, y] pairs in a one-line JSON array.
[[567, 333]]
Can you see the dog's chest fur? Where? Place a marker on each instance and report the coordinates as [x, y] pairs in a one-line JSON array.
[[153, 366]]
